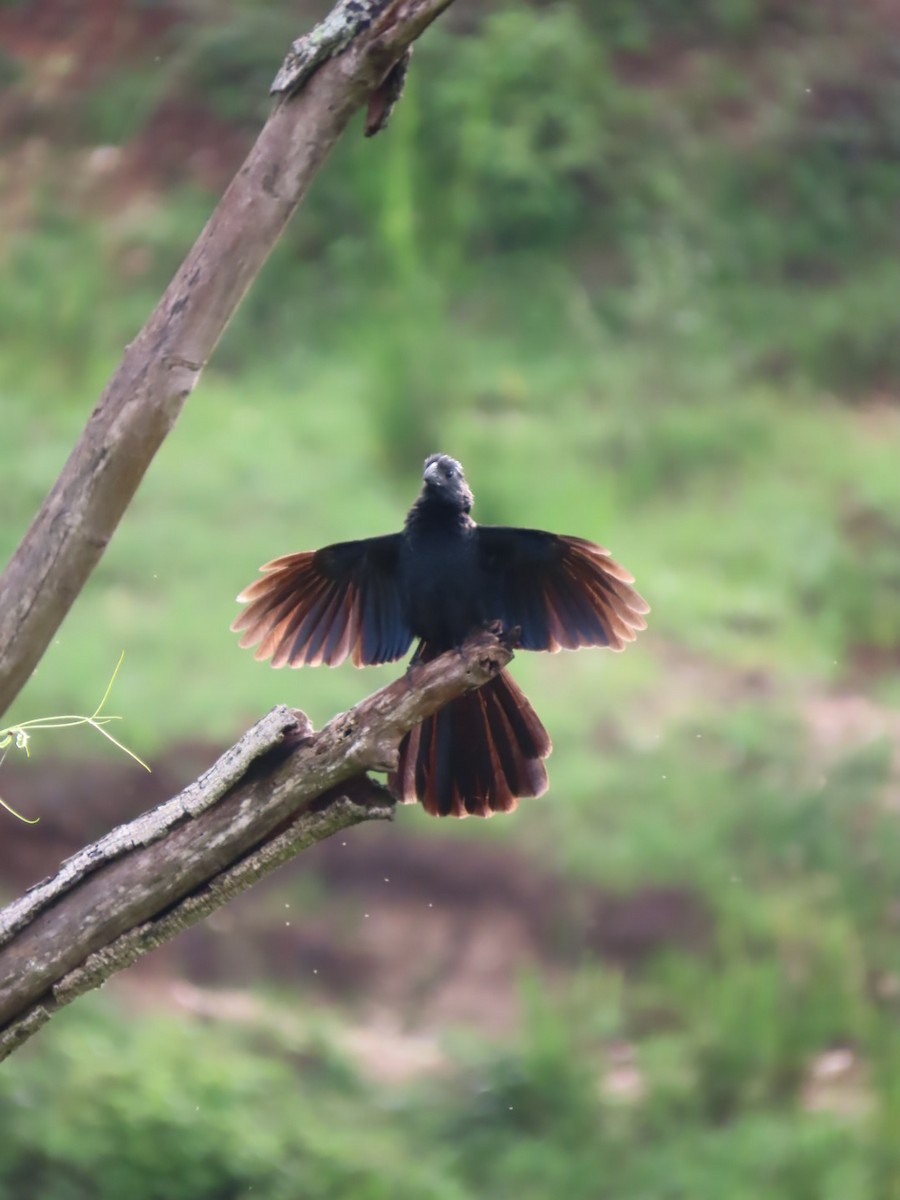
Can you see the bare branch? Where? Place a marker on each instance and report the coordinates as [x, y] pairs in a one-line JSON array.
[[161, 366], [279, 789]]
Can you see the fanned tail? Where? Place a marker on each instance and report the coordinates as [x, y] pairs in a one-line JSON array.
[[478, 755]]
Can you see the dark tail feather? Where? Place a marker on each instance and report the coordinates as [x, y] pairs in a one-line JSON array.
[[475, 757]]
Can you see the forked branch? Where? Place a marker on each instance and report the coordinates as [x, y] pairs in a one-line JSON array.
[[278, 790]]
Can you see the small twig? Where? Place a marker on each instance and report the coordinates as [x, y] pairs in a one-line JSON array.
[[20, 735], [385, 97]]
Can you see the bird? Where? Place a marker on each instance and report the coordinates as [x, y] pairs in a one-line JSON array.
[[440, 579]]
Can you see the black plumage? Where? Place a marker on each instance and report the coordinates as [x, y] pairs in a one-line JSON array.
[[439, 580]]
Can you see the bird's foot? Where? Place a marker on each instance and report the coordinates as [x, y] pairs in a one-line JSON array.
[[509, 636]]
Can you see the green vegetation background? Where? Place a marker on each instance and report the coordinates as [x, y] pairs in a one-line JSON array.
[[636, 265]]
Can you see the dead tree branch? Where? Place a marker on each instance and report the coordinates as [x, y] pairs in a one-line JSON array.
[[161, 366], [278, 790]]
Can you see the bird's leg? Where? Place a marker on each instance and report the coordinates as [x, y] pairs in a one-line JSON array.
[[346, 20], [414, 670], [415, 665]]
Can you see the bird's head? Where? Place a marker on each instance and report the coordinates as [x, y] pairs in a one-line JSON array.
[[445, 482]]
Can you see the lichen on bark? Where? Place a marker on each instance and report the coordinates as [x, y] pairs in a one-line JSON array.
[[346, 21]]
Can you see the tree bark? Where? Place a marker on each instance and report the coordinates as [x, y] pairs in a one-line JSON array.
[[161, 366], [278, 790]]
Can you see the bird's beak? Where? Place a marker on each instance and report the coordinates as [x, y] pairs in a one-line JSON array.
[[431, 473]]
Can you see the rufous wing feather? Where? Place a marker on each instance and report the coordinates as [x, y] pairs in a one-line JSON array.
[[324, 606]]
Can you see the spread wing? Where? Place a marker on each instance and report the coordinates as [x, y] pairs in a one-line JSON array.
[[562, 592], [321, 606]]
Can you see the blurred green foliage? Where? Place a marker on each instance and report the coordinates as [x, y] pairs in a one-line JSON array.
[[682, 175], [173, 1111], [164, 1109]]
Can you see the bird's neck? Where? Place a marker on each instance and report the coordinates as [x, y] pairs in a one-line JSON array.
[[433, 516]]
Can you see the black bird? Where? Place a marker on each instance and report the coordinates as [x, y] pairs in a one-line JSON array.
[[441, 579]]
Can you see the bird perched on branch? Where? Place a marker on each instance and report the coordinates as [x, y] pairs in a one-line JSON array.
[[439, 580]]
